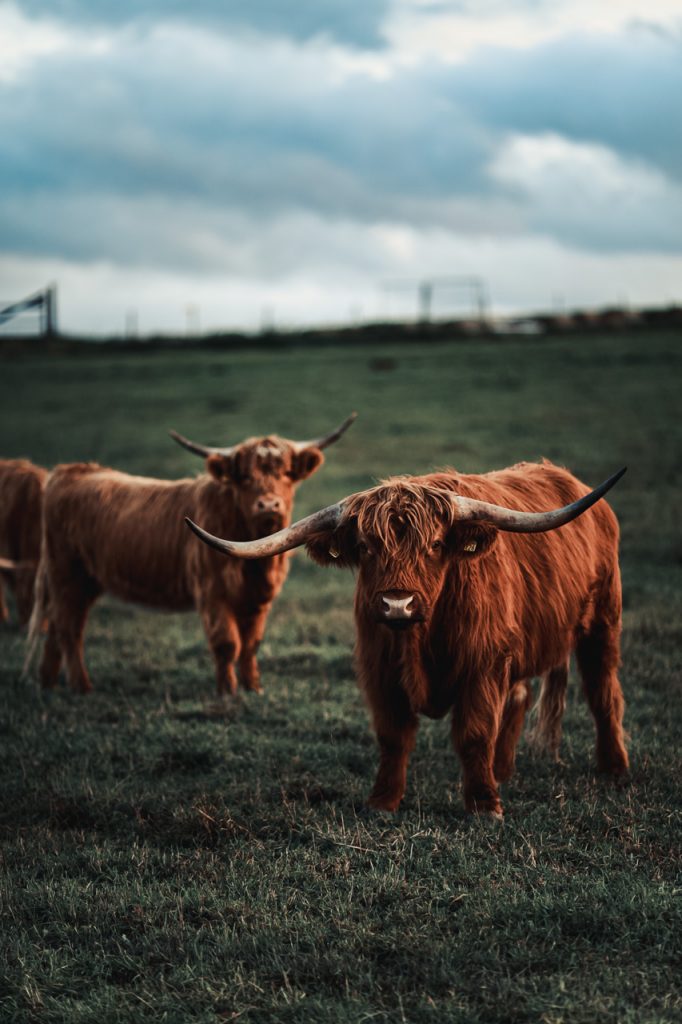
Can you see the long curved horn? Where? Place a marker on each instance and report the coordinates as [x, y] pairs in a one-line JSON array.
[[327, 439], [199, 449], [292, 537], [320, 442], [530, 522]]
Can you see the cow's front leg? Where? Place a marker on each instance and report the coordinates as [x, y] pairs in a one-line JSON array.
[[225, 643], [251, 630], [396, 726], [476, 721]]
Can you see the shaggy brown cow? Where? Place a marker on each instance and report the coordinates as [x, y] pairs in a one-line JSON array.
[[457, 606], [102, 533], [21, 497]]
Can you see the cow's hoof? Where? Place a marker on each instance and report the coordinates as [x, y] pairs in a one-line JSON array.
[[227, 699], [378, 803], [226, 692], [487, 817], [503, 773], [615, 764], [617, 775], [486, 810]]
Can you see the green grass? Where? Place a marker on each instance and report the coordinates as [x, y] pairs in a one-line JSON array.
[[165, 858]]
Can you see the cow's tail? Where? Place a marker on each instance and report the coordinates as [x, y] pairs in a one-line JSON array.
[[544, 729], [39, 614]]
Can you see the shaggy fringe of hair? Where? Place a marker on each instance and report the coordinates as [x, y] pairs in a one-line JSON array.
[[400, 514]]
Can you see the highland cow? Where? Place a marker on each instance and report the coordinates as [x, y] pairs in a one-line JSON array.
[[21, 498], [106, 531], [466, 589]]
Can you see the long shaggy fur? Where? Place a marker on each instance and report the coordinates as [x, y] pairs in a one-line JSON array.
[[514, 608], [21, 495], [106, 531]]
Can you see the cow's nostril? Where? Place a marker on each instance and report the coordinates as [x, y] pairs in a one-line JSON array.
[[272, 505], [397, 607]]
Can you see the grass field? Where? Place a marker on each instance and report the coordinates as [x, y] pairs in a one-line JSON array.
[[165, 858]]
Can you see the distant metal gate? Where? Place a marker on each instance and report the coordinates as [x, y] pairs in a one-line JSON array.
[[41, 308]]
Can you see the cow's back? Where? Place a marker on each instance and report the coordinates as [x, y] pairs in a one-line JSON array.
[[21, 491], [126, 533], [531, 592]]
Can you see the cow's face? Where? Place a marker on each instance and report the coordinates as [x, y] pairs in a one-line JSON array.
[[403, 538], [262, 475]]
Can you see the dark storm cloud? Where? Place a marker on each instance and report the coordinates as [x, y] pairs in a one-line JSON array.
[[169, 138], [357, 24], [621, 91], [131, 123]]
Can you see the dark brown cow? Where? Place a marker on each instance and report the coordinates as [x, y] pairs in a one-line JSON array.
[[21, 498], [105, 531], [457, 605]]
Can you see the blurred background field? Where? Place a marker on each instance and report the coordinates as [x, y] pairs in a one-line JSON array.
[[168, 858]]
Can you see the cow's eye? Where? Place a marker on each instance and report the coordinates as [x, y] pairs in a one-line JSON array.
[[363, 548], [437, 545]]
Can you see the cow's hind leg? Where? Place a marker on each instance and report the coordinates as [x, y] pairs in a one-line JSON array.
[[518, 701], [70, 635], [598, 655], [74, 594], [544, 735], [51, 660], [24, 594]]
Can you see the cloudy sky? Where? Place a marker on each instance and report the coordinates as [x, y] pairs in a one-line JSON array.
[[250, 161]]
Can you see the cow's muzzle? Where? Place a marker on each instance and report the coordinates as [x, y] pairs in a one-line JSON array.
[[399, 609], [267, 524], [269, 515]]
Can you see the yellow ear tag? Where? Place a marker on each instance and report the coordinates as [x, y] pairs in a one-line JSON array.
[[333, 552], [471, 546]]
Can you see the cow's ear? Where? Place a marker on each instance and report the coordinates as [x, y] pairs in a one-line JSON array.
[[335, 547], [471, 540], [220, 467], [305, 463]]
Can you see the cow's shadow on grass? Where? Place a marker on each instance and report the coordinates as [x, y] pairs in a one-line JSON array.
[[191, 810]]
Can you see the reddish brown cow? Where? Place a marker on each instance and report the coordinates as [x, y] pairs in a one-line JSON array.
[[21, 498], [102, 532], [457, 605]]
